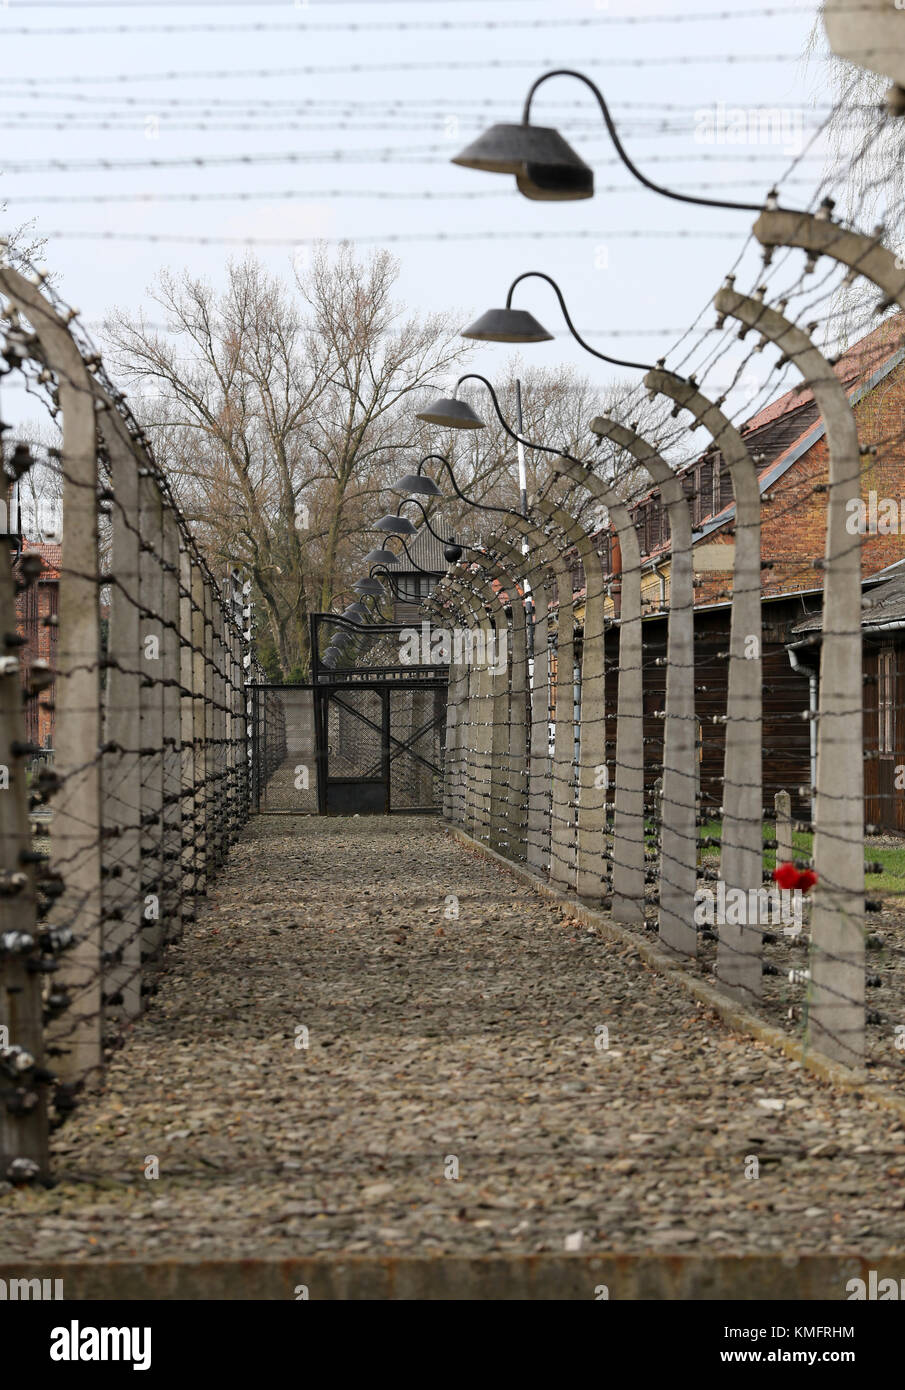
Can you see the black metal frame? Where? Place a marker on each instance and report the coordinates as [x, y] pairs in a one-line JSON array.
[[362, 794], [382, 681]]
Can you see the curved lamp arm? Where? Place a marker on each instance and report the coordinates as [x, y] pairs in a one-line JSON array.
[[441, 458], [614, 136], [540, 275], [444, 540], [519, 438]]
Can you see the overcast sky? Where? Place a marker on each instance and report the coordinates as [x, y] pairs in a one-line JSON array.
[[310, 83]]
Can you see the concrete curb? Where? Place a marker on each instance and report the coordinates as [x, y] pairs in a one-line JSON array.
[[668, 1277], [733, 1014]]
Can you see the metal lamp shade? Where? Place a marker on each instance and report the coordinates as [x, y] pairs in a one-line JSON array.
[[553, 183], [369, 586], [381, 557], [507, 326], [455, 415], [415, 482], [544, 164], [395, 526], [452, 553]]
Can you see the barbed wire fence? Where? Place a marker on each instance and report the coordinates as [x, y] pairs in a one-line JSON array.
[[107, 849], [613, 807]]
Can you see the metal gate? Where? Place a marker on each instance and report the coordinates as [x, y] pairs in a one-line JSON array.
[[363, 737], [380, 743]]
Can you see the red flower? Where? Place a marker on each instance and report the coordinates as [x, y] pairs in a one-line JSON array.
[[786, 875]]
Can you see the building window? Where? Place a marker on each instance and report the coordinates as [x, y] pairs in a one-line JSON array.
[[654, 527], [886, 702]]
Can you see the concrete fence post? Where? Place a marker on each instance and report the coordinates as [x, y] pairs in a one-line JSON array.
[[628, 808], [591, 866], [171, 828], [537, 812], [511, 737], [150, 663], [836, 1010], [23, 1096], [741, 860], [121, 776], [190, 754], [782, 806], [562, 848], [74, 1036], [678, 834]]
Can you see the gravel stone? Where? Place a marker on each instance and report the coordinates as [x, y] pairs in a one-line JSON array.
[[451, 1096]]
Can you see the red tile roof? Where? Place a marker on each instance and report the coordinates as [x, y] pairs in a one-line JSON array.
[[861, 360], [51, 554]]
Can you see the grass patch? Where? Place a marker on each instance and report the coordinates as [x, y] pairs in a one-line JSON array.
[[892, 879]]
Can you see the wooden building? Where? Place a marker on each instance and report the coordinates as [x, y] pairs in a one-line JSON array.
[[883, 657], [422, 567]]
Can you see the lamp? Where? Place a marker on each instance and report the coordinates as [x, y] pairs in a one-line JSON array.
[[417, 482], [517, 326], [507, 326], [381, 557], [545, 165], [442, 459], [453, 413], [396, 526]]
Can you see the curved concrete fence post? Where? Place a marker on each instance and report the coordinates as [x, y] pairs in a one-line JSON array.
[[591, 859], [457, 716], [468, 743], [818, 235], [438, 608], [460, 617], [496, 661], [532, 742], [480, 718], [517, 748], [540, 576], [439, 614], [740, 947], [122, 895], [628, 810], [678, 837], [562, 844], [836, 1006], [76, 844]]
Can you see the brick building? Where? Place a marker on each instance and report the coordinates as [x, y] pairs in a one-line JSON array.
[[787, 439], [35, 604]]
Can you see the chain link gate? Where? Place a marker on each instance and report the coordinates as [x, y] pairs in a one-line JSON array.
[[362, 739]]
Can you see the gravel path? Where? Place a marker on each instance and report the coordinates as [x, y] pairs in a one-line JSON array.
[[435, 1042]]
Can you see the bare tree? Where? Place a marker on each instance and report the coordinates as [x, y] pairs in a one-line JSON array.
[[278, 418], [24, 245], [378, 356]]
